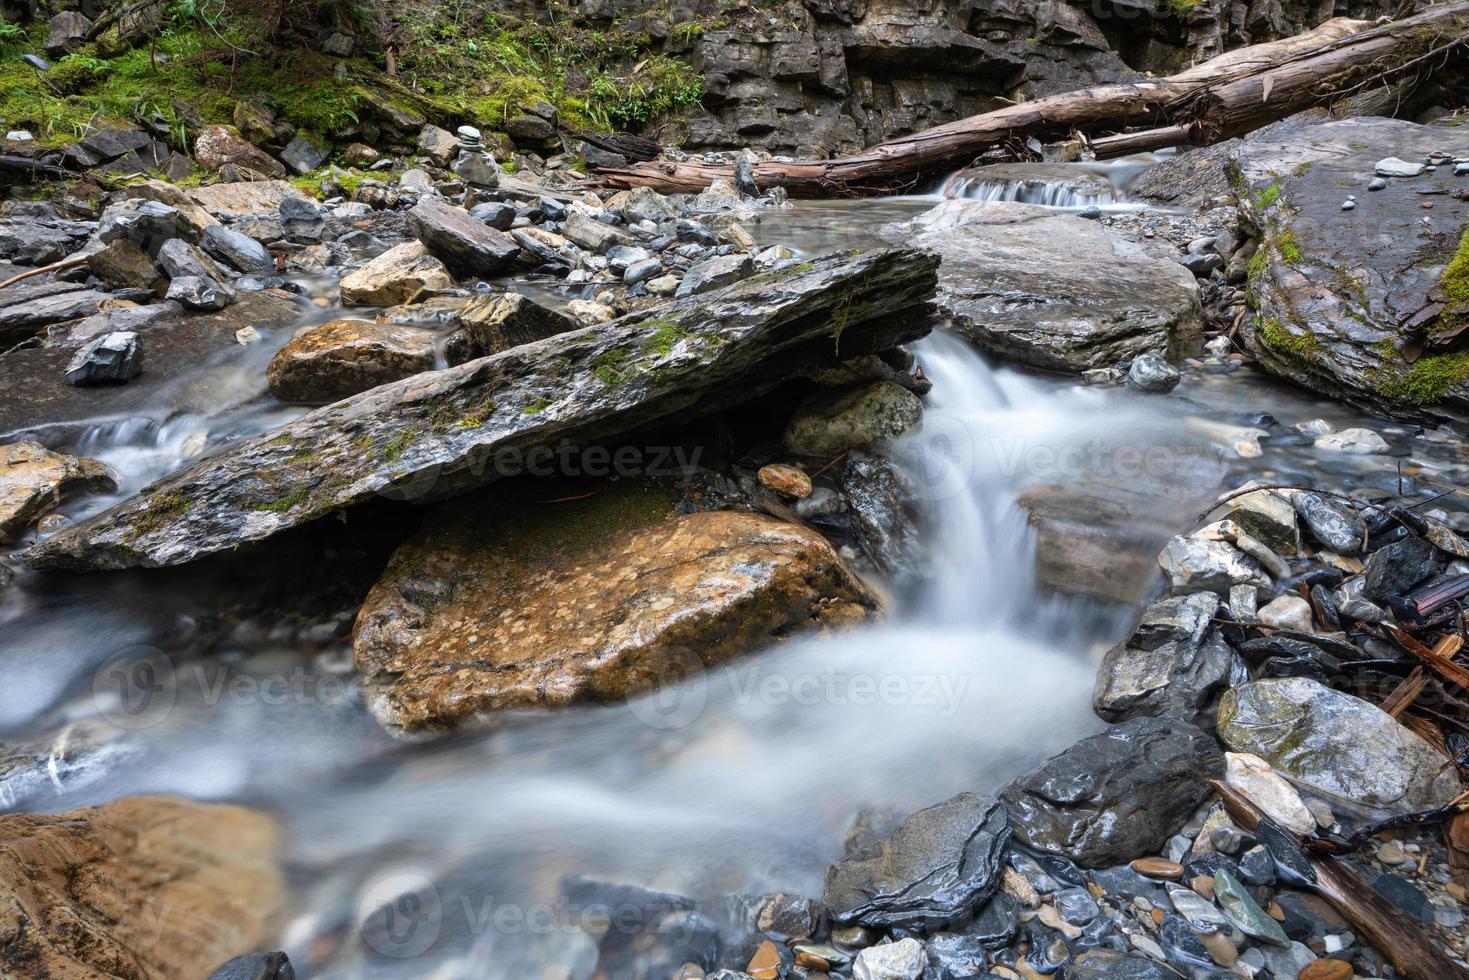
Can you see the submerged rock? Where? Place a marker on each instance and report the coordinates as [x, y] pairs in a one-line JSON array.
[[1336, 745], [90, 892], [437, 434], [1117, 795], [341, 358], [34, 480], [1010, 290], [597, 603], [941, 864], [1386, 261]]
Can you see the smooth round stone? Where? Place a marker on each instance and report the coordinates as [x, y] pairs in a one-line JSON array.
[[1326, 970], [1155, 867], [787, 480], [1348, 205], [469, 133]]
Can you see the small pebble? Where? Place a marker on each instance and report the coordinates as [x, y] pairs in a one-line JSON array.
[[1348, 205]]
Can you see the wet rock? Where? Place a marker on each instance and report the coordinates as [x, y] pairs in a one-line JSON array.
[[789, 916], [301, 220], [1242, 909], [1394, 569], [1150, 372], [714, 273], [1269, 518], [1348, 343], [341, 358], [87, 885], [1116, 795], [220, 146], [883, 519], [1252, 776], [467, 246], [1361, 442], [111, 358], [180, 259], [1008, 290], [241, 252], [400, 275], [952, 956], [407, 439], [468, 617], [996, 922], [941, 864], [1195, 563], [789, 481], [902, 960], [830, 423], [1175, 664], [498, 323], [122, 265], [199, 293], [34, 480], [591, 234], [256, 966], [1334, 744], [1107, 964]]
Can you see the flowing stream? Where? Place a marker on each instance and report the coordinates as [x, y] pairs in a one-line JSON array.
[[446, 859]]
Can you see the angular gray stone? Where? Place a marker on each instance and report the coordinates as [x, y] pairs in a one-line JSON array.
[[1012, 292], [180, 259], [1117, 795], [68, 31], [714, 273], [439, 145], [305, 153], [466, 246], [112, 357], [881, 503], [1150, 372], [592, 234], [1175, 664], [239, 251], [498, 323], [1334, 523], [199, 293], [1269, 518], [24, 310], [941, 864], [1335, 745], [406, 440], [1195, 563], [147, 224]]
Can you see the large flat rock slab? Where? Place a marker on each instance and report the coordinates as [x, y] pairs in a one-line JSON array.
[[444, 432], [1347, 301], [536, 606], [1052, 290]]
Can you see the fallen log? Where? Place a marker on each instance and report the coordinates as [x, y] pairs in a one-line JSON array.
[[1341, 56], [442, 433], [1407, 945]]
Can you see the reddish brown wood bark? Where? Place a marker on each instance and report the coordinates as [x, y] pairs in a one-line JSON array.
[[1229, 94]]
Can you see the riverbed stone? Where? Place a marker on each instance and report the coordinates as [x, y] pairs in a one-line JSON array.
[[883, 504], [113, 357], [1012, 292], [239, 251], [1151, 372], [25, 309], [713, 273], [498, 323], [1334, 523], [1174, 664], [1360, 341], [1117, 795], [98, 891], [465, 245], [1196, 562], [901, 960], [399, 275], [1272, 793], [831, 423], [598, 603], [341, 358], [1269, 518], [34, 480], [1336, 745], [123, 265], [936, 868]]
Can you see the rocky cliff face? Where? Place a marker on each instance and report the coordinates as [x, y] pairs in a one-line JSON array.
[[816, 77]]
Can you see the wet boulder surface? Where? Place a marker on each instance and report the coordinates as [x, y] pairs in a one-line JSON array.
[[1365, 304]]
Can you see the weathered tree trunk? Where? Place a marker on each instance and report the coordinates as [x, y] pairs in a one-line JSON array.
[[1221, 97]]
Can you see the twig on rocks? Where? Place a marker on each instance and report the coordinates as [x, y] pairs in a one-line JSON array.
[[66, 263]]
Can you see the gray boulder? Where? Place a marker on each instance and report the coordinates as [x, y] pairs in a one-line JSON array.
[[940, 865], [24, 310], [1117, 795], [1334, 523], [434, 435], [1011, 291], [1387, 262], [714, 273], [497, 323], [466, 246], [1336, 745], [112, 357], [239, 251], [1175, 664], [199, 293], [305, 153]]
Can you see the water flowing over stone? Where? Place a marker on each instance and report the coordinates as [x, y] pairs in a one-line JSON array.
[[1100, 301], [437, 434], [1334, 744], [941, 864], [1117, 795]]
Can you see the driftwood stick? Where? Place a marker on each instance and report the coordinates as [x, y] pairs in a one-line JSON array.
[[66, 263], [1407, 945]]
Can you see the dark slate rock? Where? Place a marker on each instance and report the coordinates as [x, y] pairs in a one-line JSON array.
[[497, 215], [996, 923], [1257, 867], [935, 869], [713, 273], [1334, 523], [238, 251], [1207, 863], [1181, 946], [305, 153], [1076, 906], [199, 293], [1106, 964], [694, 232], [1395, 568], [1404, 895], [1117, 795], [1175, 664], [952, 956], [883, 519], [302, 219], [111, 358], [147, 224], [256, 966]]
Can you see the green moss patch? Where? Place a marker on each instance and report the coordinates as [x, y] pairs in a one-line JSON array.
[[1429, 380]]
